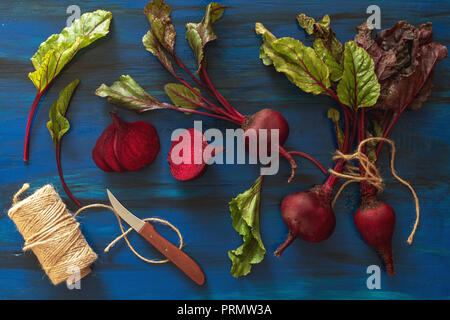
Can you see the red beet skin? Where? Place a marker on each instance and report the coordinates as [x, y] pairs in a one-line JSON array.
[[375, 222], [190, 170], [308, 215], [267, 119], [125, 146]]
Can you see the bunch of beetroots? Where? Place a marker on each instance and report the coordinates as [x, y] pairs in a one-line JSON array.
[[373, 81], [364, 77]]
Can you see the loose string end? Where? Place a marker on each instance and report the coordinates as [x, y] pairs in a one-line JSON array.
[[24, 188], [372, 175]]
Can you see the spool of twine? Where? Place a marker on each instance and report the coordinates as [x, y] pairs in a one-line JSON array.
[[52, 233], [54, 236]]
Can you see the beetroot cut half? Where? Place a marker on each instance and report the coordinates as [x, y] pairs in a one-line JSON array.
[[126, 146], [187, 170]]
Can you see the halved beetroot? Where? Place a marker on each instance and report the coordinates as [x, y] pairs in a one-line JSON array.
[[136, 144], [126, 146], [187, 170], [98, 152]]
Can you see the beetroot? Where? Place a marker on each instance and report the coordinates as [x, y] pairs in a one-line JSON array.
[[188, 170], [308, 215], [125, 146], [375, 221], [269, 119]]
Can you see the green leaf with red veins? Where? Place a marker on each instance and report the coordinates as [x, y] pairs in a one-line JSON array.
[[152, 45], [310, 24], [59, 49], [359, 85], [334, 115], [158, 14], [323, 52], [327, 46], [182, 96], [128, 94], [267, 38], [58, 124], [199, 34], [245, 210], [300, 64]]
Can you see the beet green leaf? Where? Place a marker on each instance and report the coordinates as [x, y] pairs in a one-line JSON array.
[[245, 210]]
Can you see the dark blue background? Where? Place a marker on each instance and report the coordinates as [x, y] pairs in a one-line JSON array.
[[334, 269]]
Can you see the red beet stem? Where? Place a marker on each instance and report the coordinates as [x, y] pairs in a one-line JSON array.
[[213, 108], [332, 180], [290, 238], [183, 66], [219, 96], [291, 160], [37, 98], [204, 114], [120, 124], [367, 190], [388, 130], [312, 159], [347, 118], [61, 177], [353, 136]]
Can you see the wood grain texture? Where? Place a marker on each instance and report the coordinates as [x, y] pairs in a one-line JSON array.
[[334, 269]]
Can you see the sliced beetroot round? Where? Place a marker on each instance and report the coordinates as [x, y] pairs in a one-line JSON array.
[[187, 170], [136, 144]]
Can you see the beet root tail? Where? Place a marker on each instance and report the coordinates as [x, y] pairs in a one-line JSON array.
[[290, 238], [386, 255], [291, 160]]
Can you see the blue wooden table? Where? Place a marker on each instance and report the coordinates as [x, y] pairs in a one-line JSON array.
[[334, 269]]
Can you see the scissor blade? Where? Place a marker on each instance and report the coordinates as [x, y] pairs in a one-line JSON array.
[[134, 222]]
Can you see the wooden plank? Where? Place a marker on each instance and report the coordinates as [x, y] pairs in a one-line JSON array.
[[335, 269]]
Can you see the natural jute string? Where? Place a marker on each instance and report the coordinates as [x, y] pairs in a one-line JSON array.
[[53, 234], [125, 233], [371, 174]]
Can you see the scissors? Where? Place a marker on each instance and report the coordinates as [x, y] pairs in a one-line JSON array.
[[148, 232]]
